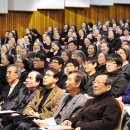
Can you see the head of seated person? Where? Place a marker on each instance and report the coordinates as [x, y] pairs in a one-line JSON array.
[[71, 65], [102, 84], [75, 82], [113, 63]]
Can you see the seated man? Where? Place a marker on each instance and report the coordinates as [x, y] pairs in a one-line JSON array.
[[57, 64], [11, 91], [45, 102], [101, 112], [113, 67], [70, 66], [73, 102], [25, 95], [90, 65]]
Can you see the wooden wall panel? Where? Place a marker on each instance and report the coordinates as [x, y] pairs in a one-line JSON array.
[[39, 20], [42, 19], [15, 20], [98, 13]]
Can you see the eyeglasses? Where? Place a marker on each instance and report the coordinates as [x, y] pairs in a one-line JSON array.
[[36, 60], [87, 63], [54, 62], [94, 82], [48, 75], [111, 62], [68, 66]]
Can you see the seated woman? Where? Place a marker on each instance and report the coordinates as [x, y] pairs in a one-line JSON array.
[[24, 66], [124, 53]]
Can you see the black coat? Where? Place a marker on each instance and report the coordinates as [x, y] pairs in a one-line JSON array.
[[51, 54], [7, 99], [100, 113], [3, 81], [120, 83], [126, 70], [88, 88], [23, 76], [114, 44]]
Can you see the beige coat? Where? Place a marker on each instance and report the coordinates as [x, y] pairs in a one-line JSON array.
[[50, 105]]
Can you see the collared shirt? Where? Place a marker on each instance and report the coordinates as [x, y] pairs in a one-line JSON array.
[[12, 86], [125, 63], [22, 70], [55, 52]]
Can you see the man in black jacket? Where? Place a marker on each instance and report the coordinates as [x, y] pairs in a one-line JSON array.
[[113, 67]]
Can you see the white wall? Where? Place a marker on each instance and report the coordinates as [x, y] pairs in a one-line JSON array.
[[3, 6], [101, 2], [22, 5], [77, 3], [122, 1], [50, 4]]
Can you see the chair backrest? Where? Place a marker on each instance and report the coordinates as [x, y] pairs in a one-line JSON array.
[[121, 117]]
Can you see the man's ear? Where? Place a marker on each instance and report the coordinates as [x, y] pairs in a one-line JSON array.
[[95, 65], [108, 87], [56, 79], [119, 66], [78, 84]]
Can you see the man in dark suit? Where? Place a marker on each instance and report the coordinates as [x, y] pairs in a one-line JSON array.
[[33, 80], [26, 94], [11, 91]]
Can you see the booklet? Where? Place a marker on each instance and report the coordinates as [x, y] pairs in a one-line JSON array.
[[50, 121], [7, 111]]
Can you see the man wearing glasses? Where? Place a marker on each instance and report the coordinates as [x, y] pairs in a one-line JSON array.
[[113, 67], [40, 63], [11, 91], [45, 102], [101, 112]]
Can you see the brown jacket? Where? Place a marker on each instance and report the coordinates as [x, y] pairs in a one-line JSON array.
[[50, 105]]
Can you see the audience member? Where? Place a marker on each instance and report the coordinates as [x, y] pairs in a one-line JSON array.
[[25, 95], [45, 103], [102, 62], [40, 63], [11, 91], [70, 66], [113, 67], [6, 60], [71, 104], [57, 64], [80, 57], [124, 53], [90, 66], [101, 112]]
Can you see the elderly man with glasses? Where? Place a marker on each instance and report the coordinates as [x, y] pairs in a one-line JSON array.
[[11, 91]]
